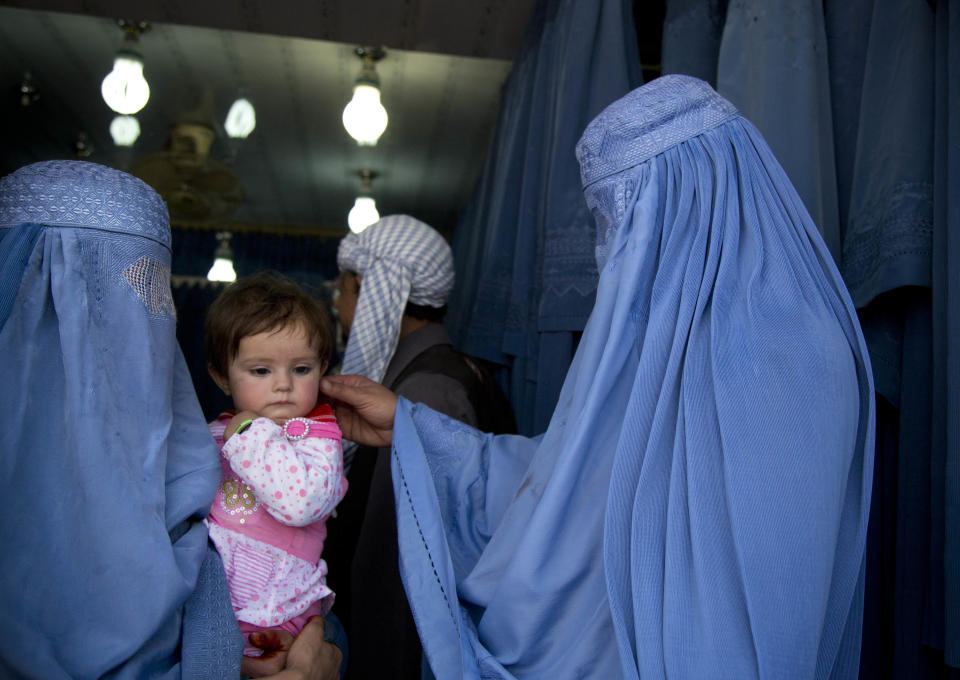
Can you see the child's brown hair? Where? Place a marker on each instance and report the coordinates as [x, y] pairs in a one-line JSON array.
[[258, 303]]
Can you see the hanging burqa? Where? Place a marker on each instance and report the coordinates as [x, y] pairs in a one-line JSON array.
[[523, 250]]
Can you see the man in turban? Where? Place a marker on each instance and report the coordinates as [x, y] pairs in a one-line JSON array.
[[393, 287]]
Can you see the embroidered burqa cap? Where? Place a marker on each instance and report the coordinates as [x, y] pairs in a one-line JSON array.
[[698, 504], [401, 259], [108, 466]]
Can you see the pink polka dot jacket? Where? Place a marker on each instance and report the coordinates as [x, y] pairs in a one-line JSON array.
[[268, 520]]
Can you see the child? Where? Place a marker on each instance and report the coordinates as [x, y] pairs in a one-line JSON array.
[[268, 344]]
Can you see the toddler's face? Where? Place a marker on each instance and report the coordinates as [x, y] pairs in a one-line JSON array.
[[276, 374]]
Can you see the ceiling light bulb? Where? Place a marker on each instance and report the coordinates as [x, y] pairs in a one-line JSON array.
[[364, 117], [124, 130], [241, 120], [362, 214], [222, 270], [124, 89]]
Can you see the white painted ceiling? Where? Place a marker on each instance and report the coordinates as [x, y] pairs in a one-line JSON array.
[[445, 64]]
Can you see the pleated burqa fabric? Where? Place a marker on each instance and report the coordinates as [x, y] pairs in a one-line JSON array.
[[699, 502], [107, 464]]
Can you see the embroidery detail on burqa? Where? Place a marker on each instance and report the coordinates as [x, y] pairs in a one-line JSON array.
[[647, 122], [568, 259], [897, 226], [608, 200], [82, 194], [151, 281]]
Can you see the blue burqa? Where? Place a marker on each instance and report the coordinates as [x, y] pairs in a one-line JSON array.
[[107, 464], [697, 507]]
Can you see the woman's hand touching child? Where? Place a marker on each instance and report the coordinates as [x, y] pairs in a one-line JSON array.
[[364, 408]]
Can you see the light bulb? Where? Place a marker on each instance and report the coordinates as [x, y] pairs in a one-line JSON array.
[[222, 270], [125, 89], [362, 214], [364, 116], [124, 130], [241, 120]]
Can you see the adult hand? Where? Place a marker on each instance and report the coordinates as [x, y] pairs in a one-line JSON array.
[[364, 408], [275, 645], [308, 657]]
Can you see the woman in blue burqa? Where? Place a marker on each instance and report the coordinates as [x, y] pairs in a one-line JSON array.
[[107, 464], [697, 507]]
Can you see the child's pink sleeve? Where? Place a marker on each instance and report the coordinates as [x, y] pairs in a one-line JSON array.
[[299, 482]]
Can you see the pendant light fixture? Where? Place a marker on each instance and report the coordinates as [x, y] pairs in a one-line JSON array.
[[364, 211], [124, 89], [364, 117], [222, 269], [241, 119], [124, 130]]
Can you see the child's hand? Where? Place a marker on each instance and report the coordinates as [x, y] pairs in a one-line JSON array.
[[275, 645], [236, 421]]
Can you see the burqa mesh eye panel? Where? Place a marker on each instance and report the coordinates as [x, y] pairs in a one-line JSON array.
[[151, 281]]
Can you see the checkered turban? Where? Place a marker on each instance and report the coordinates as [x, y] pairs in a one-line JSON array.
[[401, 260]]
